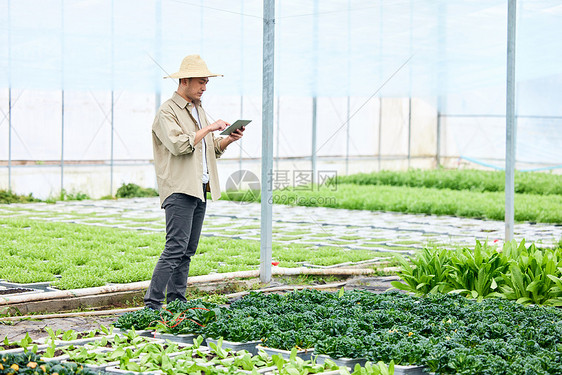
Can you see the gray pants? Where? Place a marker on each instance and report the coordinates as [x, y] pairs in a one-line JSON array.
[[184, 219]]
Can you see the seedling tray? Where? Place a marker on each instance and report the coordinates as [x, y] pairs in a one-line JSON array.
[[305, 354], [348, 362], [250, 346]]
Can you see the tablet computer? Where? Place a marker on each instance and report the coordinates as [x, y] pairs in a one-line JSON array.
[[237, 125]]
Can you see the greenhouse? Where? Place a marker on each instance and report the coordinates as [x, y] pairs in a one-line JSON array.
[[394, 205]]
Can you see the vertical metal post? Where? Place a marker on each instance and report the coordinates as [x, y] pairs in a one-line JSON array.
[[278, 109], [240, 143], [348, 82], [410, 87], [158, 54], [409, 130], [380, 132], [313, 155], [438, 131], [441, 28], [314, 83], [202, 32], [112, 161], [381, 43], [277, 121], [347, 138], [10, 138], [510, 125], [62, 148], [9, 97], [62, 105], [111, 157], [267, 139]]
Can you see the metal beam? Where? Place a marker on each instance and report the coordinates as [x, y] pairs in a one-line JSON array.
[[510, 126], [267, 139]]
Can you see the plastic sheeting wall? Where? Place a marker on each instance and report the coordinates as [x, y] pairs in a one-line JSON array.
[[449, 56]]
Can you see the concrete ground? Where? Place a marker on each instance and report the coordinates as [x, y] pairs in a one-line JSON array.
[[16, 331], [320, 226]]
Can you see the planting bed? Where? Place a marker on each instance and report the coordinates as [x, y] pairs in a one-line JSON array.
[[131, 353], [446, 334], [528, 275], [70, 256], [470, 193]]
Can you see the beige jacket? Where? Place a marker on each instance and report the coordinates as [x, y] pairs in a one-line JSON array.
[[178, 163]]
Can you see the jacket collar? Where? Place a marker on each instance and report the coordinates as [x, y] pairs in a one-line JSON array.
[[182, 103]]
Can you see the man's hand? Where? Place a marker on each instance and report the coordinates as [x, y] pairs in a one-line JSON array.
[[234, 136], [237, 134], [201, 133], [218, 125]]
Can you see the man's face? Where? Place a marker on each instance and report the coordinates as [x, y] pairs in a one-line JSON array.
[[196, 87]]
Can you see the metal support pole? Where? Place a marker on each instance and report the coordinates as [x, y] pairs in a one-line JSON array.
[[9, 97], [381, 45], [158, 54], [277, 133], [10, 138], [202, 27], [315, 85], [438, 130], [112, 161], [111, 156], [279, 14], [347, 138], [157, 100], [62, 105], [348, 80], [313, 155], [267, 139], [240, 144], [412, 7], [380, 132], [510, 126], [409, 130], [62, 148], [442, 50]]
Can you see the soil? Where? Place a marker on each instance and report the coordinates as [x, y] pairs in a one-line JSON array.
[[57, 353], [16, 330], [14, 291]]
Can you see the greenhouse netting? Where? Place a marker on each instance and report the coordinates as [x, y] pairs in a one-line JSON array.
[[387, 84]]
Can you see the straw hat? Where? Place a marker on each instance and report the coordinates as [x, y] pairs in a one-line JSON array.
[[193, 66]]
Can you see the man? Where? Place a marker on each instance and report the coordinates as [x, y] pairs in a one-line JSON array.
[[185, 153]]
